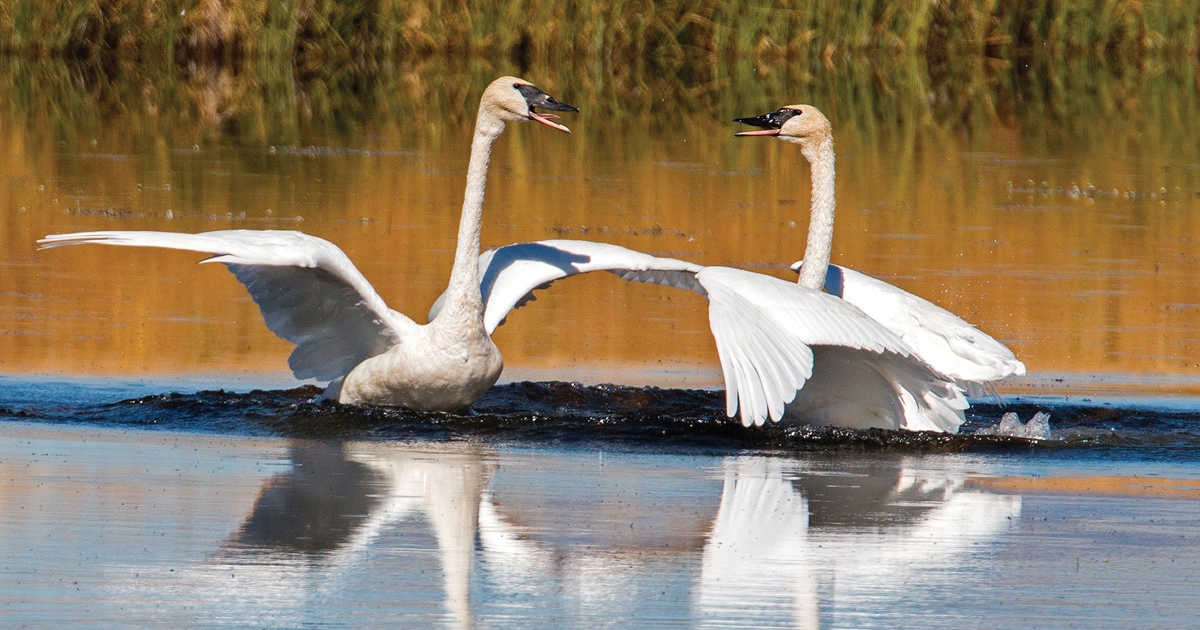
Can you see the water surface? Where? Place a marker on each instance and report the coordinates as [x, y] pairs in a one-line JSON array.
[[1065, 238], [600, 507]]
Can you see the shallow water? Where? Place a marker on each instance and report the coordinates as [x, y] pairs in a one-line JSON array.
[[566, 506]]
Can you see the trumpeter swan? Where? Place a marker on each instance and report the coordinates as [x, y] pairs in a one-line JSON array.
[[942, 339], [312, 295]]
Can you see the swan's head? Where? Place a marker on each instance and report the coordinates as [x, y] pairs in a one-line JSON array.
[[804, 125], [514, 100]]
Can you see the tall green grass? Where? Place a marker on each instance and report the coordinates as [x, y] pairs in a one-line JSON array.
[[277, 103], [264, 70], [680, 34]]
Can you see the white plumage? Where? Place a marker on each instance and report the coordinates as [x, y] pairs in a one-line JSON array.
[[307, 289], [946, 342], [312, 295], [775, 338], [864, 354], [876, 357], [510, 274]]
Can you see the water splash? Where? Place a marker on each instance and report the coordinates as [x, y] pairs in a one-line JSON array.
[[547, 413], [1038, 427]]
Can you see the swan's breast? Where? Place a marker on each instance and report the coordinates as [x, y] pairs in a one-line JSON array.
[[425, 375]]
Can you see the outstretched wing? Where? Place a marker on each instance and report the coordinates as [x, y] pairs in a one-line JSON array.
[[765, 329], [763, 326], [306, 287], [941, 338], [510, 274]]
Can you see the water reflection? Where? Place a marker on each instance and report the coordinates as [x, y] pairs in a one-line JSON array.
[[758, 567], [157, 528], [319, 523], [314, 507], [876, 534], [768, 541], [969, 188]]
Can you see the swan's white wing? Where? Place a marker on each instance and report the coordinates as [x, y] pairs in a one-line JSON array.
[[510, 274], [764, 329], [860, 389], [941, 338], [306, 287]]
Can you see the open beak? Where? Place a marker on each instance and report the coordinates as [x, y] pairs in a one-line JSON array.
[[537, 98], [545, 120], [760, 132]]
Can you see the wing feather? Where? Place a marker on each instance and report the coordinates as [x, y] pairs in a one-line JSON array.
[[765, 329], [308, 290], [941, 338], [510, 274]]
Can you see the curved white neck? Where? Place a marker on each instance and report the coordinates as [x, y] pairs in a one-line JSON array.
[[820, 221], [462, 294]]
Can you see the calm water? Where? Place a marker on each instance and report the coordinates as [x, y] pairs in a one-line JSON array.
[[1053, 207]]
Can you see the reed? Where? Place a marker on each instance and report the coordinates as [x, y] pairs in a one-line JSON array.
[[264, 71], [263, 102], [628, 34]]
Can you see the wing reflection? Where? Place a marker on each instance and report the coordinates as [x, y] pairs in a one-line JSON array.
[[791, 542], [314, 507], [785, 539], [758, 562], [455, 533]]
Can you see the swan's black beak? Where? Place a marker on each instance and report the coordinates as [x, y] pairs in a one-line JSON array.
[[769, 122], [537, 98]]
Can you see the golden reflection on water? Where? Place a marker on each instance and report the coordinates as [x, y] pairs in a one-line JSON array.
[[1073, 244], [1110, 485]]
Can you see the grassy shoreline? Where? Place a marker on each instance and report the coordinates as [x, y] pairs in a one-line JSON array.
[[673, 34], [265, 74]]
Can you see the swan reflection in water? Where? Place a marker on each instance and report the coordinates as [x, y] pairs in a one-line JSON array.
[[459, 533], [785, 538], [331, 535]]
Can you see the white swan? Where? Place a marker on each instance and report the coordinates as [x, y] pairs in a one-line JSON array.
[[312, 295], [893, 373], [943, 340]]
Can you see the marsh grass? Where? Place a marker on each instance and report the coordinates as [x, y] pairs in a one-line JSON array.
[[275, 103], [264, 70], [678, 34], [954, 62]]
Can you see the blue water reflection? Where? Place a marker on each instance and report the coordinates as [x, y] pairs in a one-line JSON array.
[[186, 530]]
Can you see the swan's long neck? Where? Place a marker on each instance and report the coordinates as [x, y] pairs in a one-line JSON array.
[[820, 222], [462, 295]]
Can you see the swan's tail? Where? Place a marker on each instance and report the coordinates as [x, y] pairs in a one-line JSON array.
[[862, 389], [931, 402]]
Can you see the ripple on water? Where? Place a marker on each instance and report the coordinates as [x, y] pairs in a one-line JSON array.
[[634, 417]]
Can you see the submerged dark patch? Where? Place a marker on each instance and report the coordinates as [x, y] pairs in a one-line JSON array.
[[613, 416]]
